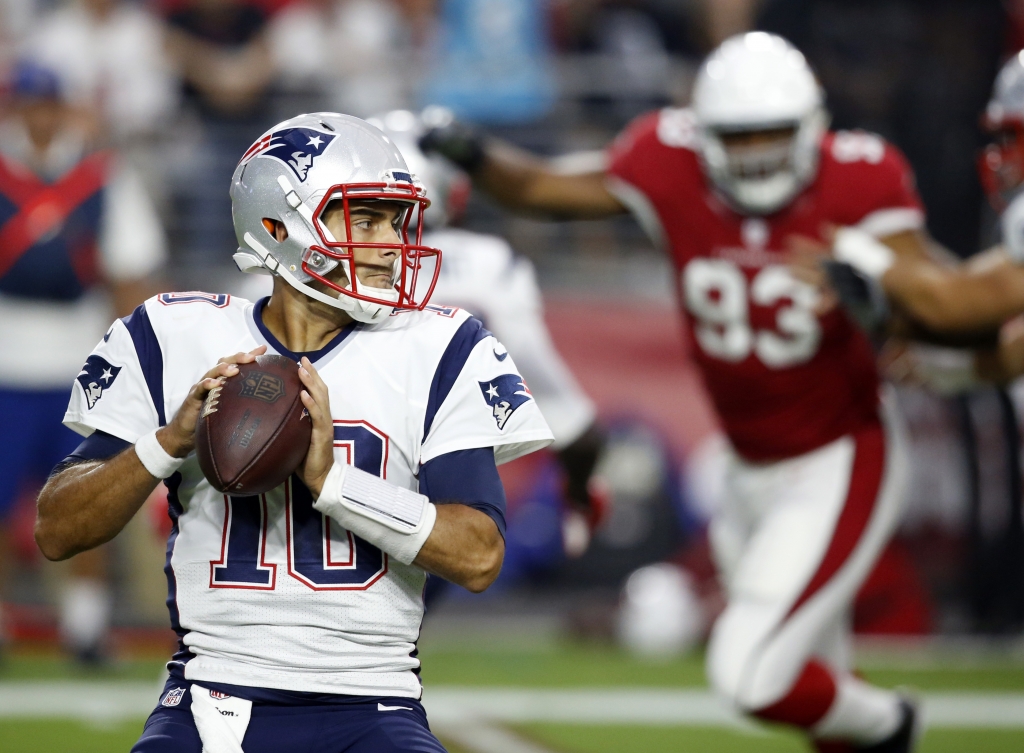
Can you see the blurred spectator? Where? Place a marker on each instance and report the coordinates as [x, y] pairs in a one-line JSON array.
[[621, 62], [222, 50], [109, 55], [16, 18], [492, 61], [723, 18], [77, 235], [356, 56], [583, 25]]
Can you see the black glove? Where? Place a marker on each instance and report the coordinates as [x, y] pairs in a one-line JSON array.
[[459, 142], [861, 296]]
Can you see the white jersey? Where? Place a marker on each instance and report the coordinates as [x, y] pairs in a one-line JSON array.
[[483, 274], [265, 591]]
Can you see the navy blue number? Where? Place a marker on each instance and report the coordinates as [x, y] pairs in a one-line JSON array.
[[341, 561], [243, 547], [317, 558]]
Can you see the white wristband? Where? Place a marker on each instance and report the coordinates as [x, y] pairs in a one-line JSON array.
[[395, 520], [155, 458], [863, 252]]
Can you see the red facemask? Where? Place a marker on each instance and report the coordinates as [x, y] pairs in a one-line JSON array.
[[414, 261]]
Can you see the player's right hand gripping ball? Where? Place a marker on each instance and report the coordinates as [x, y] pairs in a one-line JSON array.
[[253, 431]]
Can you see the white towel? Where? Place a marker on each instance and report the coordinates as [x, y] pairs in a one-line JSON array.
[[221, 720]]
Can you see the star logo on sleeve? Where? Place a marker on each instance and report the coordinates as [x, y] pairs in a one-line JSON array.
[[504, 394], [96, 377]]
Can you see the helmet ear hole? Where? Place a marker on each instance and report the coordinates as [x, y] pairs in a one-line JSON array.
[[276, 229]]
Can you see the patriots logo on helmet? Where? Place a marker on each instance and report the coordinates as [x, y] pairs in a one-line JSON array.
[[505, 394], [96, 377], [295, 147]]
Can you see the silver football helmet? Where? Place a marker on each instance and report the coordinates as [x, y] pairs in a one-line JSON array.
[[446, 185], [291, 174], [759, 82], [1001, 164]]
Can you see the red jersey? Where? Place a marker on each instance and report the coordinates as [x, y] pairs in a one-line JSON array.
[[784, 381]]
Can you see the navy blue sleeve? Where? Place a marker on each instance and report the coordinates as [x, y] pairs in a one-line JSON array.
[[97, 446], [467, 477]]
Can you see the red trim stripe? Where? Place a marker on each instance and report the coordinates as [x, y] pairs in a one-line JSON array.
[[861, 498], [808, 700]]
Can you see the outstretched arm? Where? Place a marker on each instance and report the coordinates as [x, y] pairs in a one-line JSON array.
[[979, 294], [522, 181], [897, 278]]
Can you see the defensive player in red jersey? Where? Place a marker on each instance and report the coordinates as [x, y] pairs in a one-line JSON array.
[[815, 470], [988, 289]]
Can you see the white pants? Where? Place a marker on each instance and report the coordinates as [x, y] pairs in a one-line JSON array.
[[794, 541]]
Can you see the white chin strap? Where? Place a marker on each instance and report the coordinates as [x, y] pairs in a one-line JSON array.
[[362, 311]]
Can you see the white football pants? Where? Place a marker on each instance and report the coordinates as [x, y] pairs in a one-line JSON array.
[[794, 541]]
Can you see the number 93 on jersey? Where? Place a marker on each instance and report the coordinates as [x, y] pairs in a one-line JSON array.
[[721, 298]]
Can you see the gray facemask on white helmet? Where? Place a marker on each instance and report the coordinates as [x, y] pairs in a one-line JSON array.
[[291, 174], [759, 82]]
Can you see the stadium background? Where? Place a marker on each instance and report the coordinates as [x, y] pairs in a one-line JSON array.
[[534, 664]]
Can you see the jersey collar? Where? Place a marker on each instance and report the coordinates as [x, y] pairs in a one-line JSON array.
[[276, 346]]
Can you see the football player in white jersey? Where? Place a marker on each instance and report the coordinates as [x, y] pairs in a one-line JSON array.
[[298, 611], [483, 274]]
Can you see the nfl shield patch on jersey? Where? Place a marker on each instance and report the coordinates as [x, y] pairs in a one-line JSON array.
[[173, 697], [504, 394], [96, 377]]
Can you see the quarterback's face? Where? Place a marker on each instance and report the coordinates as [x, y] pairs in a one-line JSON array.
[[372, 222]]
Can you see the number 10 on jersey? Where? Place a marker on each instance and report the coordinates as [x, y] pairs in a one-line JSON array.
[[312, 555]]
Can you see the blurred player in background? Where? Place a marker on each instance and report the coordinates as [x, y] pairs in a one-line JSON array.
[[972, 298], [482, 274], [815, 470], [298, 611], [78, 237]]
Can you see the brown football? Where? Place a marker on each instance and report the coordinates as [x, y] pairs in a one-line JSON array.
[[253, 431]]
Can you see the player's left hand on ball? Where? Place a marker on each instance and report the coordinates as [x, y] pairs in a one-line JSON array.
[[320, 458], [178, 438]]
